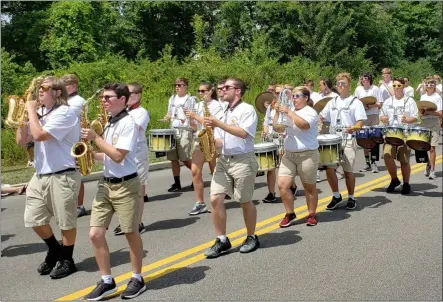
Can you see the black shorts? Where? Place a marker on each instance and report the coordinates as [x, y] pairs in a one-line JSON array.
[[30, 145]]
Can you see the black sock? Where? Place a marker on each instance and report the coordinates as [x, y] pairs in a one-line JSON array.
[[373, 161], [177, 180], [367, 159], [52, 244], [68, 251]]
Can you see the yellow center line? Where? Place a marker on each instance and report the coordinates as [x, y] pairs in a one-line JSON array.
[[359, 190]]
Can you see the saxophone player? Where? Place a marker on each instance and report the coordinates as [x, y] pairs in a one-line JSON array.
[[208, 95], [235, 169], [53, 189]]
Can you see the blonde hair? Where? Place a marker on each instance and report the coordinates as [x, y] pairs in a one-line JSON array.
[[386, 70], [343, 75], [304, 91], [57, 84], [70, 79], [437, 78]]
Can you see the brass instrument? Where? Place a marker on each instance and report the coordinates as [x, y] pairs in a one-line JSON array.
[[284, 99], [206, 137], [16, 116], [82, 151], [99, 123]]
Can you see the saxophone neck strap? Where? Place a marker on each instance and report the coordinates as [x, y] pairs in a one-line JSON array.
[[115, 119]]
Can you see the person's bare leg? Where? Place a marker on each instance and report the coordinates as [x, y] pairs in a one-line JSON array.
[[249, 216], [218, 213], [101, 250]]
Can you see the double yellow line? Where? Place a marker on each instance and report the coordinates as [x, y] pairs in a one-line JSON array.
[[270, 223]]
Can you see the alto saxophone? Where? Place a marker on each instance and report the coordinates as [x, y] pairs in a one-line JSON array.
[[207, 144]]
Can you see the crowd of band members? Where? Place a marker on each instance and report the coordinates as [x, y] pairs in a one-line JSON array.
[[56, 189]]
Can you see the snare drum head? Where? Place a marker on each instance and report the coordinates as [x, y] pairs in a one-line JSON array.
[[265, 147], [329, 139], [162, 131]]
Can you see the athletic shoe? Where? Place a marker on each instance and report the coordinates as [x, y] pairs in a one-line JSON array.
[[218, 248], [334, 202], [351, 204], [366, 168], [312, 220], [270, 198], [135, 288], [101, 291], [406, 189], [250, 244], [198, 208], [374, 168], [62, 269], [288, 220], [174, 188], [432, 175], [394, 184]]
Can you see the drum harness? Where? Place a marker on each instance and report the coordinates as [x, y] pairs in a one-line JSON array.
[[338, 126], [397, 111]]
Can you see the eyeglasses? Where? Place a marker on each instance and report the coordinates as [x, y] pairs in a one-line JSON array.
[[271, 90], [365, 78], [227, 87], [201, 91], [341, 84], [45, 87], [179, 85], [298, 95], [107, 97], [220, 88], [397, 86]]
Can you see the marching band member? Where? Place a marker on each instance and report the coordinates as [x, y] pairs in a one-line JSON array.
[[372, 114], [118, 191], [141, 118], [235, 168], [301, 155], [438, 87], [430, 120], [76, 102], [326, 89], [408, 90], [385, 84], [314, 96], [348, 111], [53, 189], [398, 110], [207, 94], [220, 93], [183, 147]]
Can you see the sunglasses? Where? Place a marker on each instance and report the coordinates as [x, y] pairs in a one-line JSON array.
[[298, 95], [365, 78], [179, 85], [227, 87], [45, 87], [429, 85], [340, 84], [201, 91], [397, 86], [107, 97], [271, 90]]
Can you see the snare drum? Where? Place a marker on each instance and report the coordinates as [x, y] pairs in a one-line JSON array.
[[329, 149], [363, 137], [161, 140], [266, 155], [395, 135], [419, 138], [376, 134]]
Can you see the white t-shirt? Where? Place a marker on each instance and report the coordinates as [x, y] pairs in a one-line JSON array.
[[269, 116], [332, 94], [408, 91], [434, 98], [215, 109], [439, 87], [384, 92], [121, 135], [351, 110], [361, 92], [75, 103], [176, 102], [141, 118], [404, 106], [54, 154], [244, 116], [315, 97], [223, 104], [298, 140]]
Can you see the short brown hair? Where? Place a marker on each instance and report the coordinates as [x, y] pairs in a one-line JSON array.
[[386, 70], [343, 75], [70, 79], [137, 87], [240, 84], [401, 80], [184, 80]]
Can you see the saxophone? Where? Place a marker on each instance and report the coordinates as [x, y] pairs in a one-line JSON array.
[[99, 123], [207, 143], [82, 151]]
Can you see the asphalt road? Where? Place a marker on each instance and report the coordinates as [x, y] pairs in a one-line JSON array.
[[389, 248]]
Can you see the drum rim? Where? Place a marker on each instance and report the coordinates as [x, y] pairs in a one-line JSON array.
[[270, 146], [158, 131]]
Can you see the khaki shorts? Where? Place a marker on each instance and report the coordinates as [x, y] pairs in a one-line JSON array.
[[348, 157], [142, 169], [121, 198], [52, 196], [372, 120], [304, 164], [432, 124], [400, 153], [235, 176], [183, 147]]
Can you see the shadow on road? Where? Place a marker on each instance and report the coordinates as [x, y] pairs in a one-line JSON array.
[[6, 237], [269, 240], [420, 190], [3, 209], [118, 257], [164, 196], [24, 249], [171, 224], [184, 275]]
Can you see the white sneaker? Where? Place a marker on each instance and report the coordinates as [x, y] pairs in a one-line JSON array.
[[30, 164], [374, 168], [318, 176], [427, 170], [432, 175]]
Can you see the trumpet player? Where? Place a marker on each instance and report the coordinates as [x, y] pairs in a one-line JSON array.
[[347, 111], [183, 140], [118, 191], [208, 95], [53, 189], [76, 102]]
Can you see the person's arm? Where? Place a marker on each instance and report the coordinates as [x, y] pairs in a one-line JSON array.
[[21, 136], [248, 122], [35, 129], [298, 121]]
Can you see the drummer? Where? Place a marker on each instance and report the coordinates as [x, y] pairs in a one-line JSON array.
[[385, 84], [301, 156], [346, 113], [207, 94], [398, 110], [430, 120], [408, 90], [368, 89]]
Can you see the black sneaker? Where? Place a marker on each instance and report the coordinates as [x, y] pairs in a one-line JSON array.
[[174, 188], [250, 244], [294, 190], [134, 288], [406, 189], [118, 231], [270, 198], [351, 204], [334, 202], [141, 228], [261, 173], [228, 197], [145, 198], [62, 269], [101, 291], [218, 248], [394, 184], [46, 266]]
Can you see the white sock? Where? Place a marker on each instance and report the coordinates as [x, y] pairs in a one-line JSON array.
[[138, 276], [222, 238], [336, 194], [107, 279], [351, 197]]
